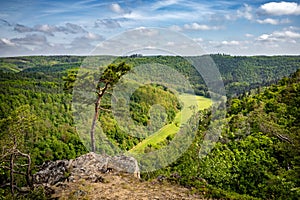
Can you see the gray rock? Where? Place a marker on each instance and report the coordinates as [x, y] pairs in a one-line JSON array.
[[87, 167], [124, 164], [52, 172]]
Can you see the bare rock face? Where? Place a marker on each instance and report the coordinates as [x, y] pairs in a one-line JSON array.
[[124, 164], [52, 172], [88, 166]]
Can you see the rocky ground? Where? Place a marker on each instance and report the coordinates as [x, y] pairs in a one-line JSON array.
[[94, 176], [121, 186]]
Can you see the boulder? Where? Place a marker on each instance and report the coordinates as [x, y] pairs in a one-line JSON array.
[[87, 166], [52, 172], [124, 164]]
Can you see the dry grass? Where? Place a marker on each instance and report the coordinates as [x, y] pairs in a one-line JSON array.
[[122, 186]]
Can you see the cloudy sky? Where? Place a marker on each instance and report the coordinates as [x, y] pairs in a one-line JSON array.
[[249, 27]]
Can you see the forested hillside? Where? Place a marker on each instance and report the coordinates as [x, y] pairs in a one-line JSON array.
[[39, 93], [257, 155], [239, 73], [242, 73]]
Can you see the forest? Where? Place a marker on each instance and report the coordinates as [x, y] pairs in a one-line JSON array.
[[256, 157]]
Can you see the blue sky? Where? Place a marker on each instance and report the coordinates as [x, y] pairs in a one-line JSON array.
[[31, 27]]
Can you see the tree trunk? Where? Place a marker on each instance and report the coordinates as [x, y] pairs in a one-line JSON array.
[[28, 173], [12, 174], [96, 115], [95, 118]]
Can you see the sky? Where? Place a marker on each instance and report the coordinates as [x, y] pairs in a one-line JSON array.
[[250, 27]]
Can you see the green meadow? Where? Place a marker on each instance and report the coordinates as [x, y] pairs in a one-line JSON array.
[[191, 103]]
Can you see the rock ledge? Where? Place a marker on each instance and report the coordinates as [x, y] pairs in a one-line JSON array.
[[89, 166]]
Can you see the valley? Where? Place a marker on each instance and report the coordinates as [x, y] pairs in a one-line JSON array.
[[189, 102], [255, 157]]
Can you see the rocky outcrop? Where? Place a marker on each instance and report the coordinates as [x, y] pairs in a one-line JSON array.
[[89, 166], [52, 172]]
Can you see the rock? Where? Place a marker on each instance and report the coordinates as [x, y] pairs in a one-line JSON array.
[[87, 167], [52, 172], [124, 164], [99, 179], [80, 193], [161, 178]]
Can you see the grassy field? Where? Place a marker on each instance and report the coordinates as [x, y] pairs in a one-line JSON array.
[[9, 68], [190, 102]]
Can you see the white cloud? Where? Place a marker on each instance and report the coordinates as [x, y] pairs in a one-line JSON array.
[[281, 8], [22, 29], [202, 27], [175, 28], [285, 21], [279, 36], [36, 44], [134, 16], [292, 28], [108, 23], [273, 21], [115, 7], [268, 21], [7, 42], [9, 48], [146, 16], [289, 34], [248, 35], [245, 12], [233, 42], [68, 28], [93, 36], [84, 43], [31, 40], [199, 40], [161, 4], [44, 28], [170, 44], [146, 32]]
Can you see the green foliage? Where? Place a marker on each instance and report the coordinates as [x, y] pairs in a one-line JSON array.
[[35, 111], [117, 136], [113, 73], [258, 153], [165, 134], [18, 128], [257, 156], [141, 101], [69, 80], [145, 97], [243, 73]]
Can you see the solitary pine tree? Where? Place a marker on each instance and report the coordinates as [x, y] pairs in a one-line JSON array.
[[107, 80]]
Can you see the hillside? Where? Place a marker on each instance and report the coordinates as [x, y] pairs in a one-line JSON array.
[[167, 132], [256, 157], [258, 153], [239, 73]]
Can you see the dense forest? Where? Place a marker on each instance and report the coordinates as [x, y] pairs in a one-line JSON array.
[[256, 157], [258, 153]]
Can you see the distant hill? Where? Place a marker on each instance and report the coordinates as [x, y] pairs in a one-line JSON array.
[[240, 73], [243, 73], [257, 155]]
